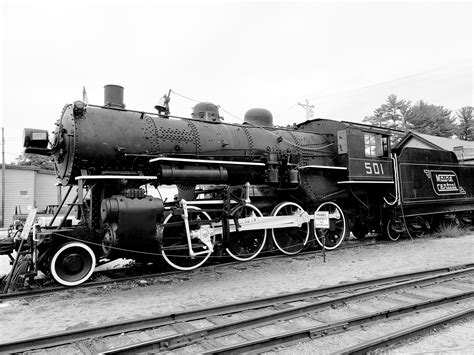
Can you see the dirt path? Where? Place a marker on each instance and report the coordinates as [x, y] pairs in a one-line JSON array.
[[210, 286]]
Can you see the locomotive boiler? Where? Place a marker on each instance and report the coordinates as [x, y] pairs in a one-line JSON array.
[[236, 183]]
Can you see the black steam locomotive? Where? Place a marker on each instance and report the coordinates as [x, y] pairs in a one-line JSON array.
[[237, 183]]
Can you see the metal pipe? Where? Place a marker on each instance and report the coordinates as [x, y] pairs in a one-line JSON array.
[[59, 207], [67, 212], [59, 193]]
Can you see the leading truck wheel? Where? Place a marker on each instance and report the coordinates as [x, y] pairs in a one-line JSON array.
[[333, 236], [72, 264]]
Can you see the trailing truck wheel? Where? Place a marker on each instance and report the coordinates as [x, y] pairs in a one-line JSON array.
[[246, 245], [333, 236], [290, 240], [175, 247], [72, 264]]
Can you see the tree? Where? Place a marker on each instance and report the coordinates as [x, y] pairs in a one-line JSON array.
[[466, 123], [431, 119], [393, 114], [35, 160]]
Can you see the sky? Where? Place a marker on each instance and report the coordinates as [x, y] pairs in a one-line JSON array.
[[345, 58]]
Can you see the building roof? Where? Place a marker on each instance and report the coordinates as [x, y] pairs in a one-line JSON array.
[[30, 168], [464, 150], [447, 143]]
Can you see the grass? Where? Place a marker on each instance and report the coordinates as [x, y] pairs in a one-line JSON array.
[[451, 231]]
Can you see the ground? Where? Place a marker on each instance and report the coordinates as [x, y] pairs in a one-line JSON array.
[[209, 286]]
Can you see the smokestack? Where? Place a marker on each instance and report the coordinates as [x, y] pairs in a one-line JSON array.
[[113, 96]]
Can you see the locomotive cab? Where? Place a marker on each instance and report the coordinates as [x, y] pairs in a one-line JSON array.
[[365, 151]]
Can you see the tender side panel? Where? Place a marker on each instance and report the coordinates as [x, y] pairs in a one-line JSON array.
[[434, 177]]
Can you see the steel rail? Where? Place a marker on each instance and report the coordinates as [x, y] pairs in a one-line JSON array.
[[169, 341], [47, 291], [268, 343], [62, 338], [391, 338]]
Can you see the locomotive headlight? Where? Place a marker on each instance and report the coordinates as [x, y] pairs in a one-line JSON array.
[[79, 108]]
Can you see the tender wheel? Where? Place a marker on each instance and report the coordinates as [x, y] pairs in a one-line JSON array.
[[465, 219], [290, 240], [394, 229], [417, 226], [333, 238], [449, 221], [246, 245], [175, 247], [72, 264]]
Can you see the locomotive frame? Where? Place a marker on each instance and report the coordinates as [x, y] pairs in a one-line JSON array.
[[253, 177]]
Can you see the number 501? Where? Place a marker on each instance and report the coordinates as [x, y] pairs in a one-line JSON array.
[[374, 168]]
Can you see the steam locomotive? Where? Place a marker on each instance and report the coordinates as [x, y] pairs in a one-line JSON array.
[[241, 187]]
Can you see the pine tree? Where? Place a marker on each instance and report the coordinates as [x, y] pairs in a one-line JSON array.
[[393, 114], [431, 119], [466, 124]]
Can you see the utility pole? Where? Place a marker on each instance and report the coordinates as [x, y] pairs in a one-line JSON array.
[[308, 108], [3, 177]]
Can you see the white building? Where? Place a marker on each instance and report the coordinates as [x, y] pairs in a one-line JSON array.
[[26, 187]]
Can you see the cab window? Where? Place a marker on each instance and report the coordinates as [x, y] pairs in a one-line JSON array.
[[373, 145]]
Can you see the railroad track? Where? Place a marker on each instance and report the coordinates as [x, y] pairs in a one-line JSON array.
[[262, 324], [43, 291]]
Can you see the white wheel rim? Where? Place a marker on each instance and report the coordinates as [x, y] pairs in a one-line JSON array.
[[343, 221], [66, 246], [239, 258], [278, 208], [185, 268]]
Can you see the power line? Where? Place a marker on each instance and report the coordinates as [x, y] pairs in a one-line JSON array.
[[185, 97], [352, 92]]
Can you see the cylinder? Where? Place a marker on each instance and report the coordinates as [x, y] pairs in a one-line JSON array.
[[113, 96]]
